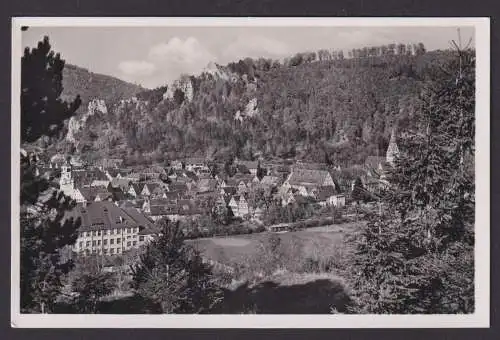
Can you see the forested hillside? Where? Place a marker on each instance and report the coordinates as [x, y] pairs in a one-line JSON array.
[[89, 85], [311, 106]]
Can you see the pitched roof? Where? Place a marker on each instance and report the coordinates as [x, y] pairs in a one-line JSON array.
[[86, 177], [90, 193], [113, 172], [374, 161], [207, 184], [106, 215], [269, 180], [194, 160], [104, 196], [229, 190], [325, 192], [121, 183], [249, 164], [138, 187], [177, 186], [308, 177]]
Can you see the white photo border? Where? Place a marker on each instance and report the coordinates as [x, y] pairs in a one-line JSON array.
[[479, 319]]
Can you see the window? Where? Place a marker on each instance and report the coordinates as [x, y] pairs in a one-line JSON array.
[[129, 237], [128, 230], [112, 241], [94, 233], [128, 244], [98, 233], [93, 251], [134, 243], [87, 244], [118, 250], [112, 250], [93, 243], [141, 238], [81, 244], [105, 251], [98, 242], [105, 242], [118, 240]]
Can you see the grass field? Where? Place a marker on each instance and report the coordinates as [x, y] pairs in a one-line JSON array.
[[222, 249]]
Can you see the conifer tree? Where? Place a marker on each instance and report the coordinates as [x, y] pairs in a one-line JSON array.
[[173, 275], [418, 256], [44, 229]]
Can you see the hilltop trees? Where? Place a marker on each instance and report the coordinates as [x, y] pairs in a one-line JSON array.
[[44, 229], [325, 107], [418, 256]]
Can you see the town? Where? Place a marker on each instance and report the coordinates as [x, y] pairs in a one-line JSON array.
[[119, 205]]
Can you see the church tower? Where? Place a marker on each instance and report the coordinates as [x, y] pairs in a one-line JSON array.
[[66, 183], [392, 150]]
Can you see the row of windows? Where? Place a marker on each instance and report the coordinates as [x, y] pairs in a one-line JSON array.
[[108, 232], [105, 251], [111, 242]]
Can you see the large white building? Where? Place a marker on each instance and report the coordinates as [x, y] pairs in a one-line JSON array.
[[107, 229]]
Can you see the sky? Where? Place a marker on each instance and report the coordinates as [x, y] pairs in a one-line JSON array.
[[155, 56]]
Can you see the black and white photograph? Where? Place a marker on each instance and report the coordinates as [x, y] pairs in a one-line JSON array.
[[238, 172]]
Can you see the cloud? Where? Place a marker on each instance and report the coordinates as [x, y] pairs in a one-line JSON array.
[[255, 46], [139, 68], [179, 56]]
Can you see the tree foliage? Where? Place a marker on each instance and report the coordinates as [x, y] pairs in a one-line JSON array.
[[42, 110], [45, 231], [418, 256], [90, 284], [173, 274]]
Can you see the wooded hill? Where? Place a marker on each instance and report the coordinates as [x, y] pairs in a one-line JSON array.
[[321, 109], [90, 85]]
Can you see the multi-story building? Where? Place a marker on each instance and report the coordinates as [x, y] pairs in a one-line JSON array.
[[107, 229]]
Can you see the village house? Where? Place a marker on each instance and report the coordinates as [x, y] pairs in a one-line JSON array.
[[152, 173], [306, 180], [120, 183], [135, 189], [184, 210], [251, 166], [327, 196], [176, 165], [153, 189], [195, 164], [241, 182], [269, 181], [239, 206], [107, 229], [206, 185]]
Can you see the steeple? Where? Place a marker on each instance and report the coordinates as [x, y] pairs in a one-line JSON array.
[[393, 149]]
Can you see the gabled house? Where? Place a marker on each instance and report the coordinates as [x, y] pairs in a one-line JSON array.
[[135, 189], [241, 182], [328, 196], [176, 165], [250, 166], [152, 189], [305, 179], [120, 183], [269, 181], [195, 164], [239, 206], [206, 185]]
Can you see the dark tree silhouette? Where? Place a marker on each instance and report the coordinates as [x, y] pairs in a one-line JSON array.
[[44, 229], [42, 110], [173, 274]]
